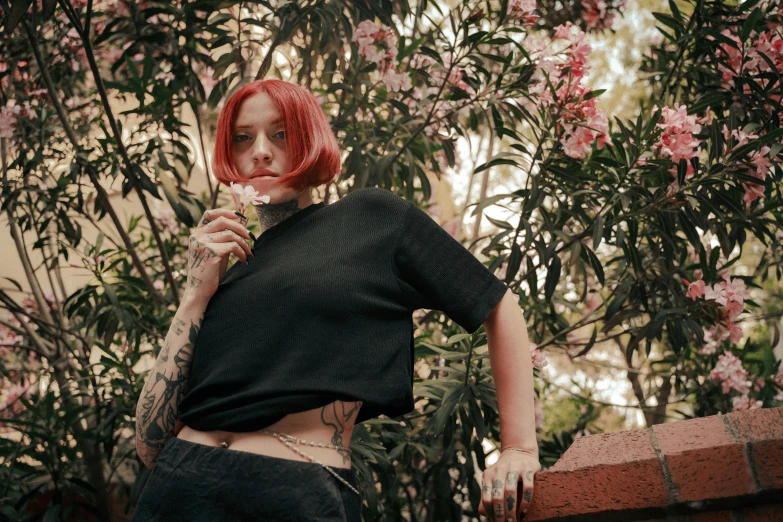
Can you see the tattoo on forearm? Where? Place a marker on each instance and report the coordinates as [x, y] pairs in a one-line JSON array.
[[158, 406], [193, 281], [178, 326]]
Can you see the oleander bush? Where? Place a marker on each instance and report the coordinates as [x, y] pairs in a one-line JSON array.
[[655, 240]]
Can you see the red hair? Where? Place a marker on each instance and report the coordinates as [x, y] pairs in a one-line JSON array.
[[310, 142]]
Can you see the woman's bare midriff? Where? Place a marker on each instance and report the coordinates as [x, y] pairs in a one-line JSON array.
[[331, 424]]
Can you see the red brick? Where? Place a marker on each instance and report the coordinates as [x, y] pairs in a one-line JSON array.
[[607, 449], [762, 430], [704, 462], [601, 473]]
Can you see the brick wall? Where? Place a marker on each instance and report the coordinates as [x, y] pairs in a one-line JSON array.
[[726, 468]]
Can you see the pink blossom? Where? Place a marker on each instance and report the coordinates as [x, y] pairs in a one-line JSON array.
[[158, 285], [247, 195], [778, 378], [741, 137], [728, 329], [377, 43], [743, 402], [421, 61], [112, 55], [727, 291], [165, 217], [8, 120], [593, 12], [759, 159], [396, 81], [565, 30], [710, 344], [9, 337], [579, 141], [538, 357], [730, 372], [522, 10], [695, 289], [677, 140]]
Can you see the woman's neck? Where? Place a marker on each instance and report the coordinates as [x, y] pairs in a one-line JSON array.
[[271, 214]]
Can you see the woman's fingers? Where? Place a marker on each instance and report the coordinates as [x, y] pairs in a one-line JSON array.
[[225, 236], [214, 213], [230, 247], [510, 495], [486, 497], [224, 223], [526, 498], [498, 508]]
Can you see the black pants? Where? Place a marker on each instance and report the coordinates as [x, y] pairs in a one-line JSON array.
[[194, 482]]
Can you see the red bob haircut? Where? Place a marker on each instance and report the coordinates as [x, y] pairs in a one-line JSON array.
[[310, 142]]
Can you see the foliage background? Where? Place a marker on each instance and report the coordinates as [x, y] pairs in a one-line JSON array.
[[639, 226]]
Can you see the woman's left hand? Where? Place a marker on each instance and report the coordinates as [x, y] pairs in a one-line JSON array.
[[507, 486]]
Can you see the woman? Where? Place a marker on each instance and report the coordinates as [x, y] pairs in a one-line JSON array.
[[310, 333]]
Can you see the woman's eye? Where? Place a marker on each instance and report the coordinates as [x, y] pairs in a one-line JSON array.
[[281, 134], [236, 138]]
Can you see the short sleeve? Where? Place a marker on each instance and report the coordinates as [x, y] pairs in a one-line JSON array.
[[435, 271]]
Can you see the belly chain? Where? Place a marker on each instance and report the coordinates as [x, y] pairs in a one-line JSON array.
[[288, 439]]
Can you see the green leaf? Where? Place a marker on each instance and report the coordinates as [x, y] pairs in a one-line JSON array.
[[514, 261], [670, 22], [675, 10], [598, 231], [18, 9], [589, 344], [750, 24], [552, 277], [616, 303]]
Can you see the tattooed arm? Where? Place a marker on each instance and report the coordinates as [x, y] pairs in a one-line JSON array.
[[220, 232], [157, 409]]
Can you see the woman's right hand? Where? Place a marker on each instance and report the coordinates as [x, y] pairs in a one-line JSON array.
[[219, 233]]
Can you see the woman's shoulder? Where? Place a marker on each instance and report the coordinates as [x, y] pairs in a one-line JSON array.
[[374, 200]]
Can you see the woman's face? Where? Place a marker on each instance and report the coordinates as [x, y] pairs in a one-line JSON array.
[[258, 143]]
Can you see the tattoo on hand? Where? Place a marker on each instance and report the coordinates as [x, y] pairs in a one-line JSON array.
[[497, 487], [527, 495], [200, 253], [529, 475], [512, 478], [510, 504]]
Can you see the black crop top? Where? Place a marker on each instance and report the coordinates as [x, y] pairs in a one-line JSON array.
[[323, 313]]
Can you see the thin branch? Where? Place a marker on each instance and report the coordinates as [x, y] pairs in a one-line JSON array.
[[101, 193]]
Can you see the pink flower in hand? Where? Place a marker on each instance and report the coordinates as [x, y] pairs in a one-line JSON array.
[[246, 195]]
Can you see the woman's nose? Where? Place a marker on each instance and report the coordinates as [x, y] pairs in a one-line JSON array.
[[261, 150]]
